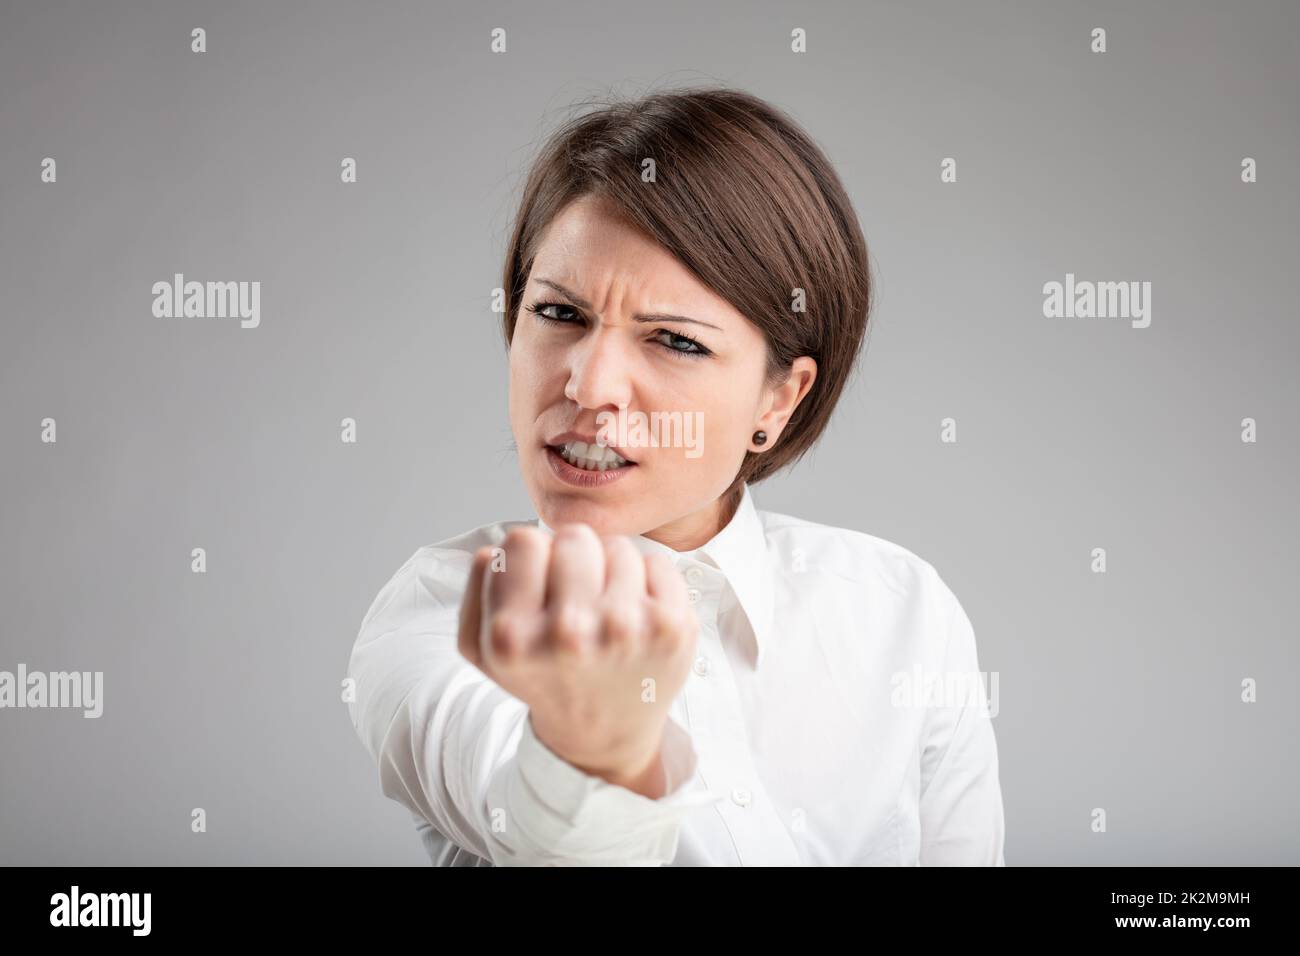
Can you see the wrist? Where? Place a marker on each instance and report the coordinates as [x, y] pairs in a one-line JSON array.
[[648, 778], [635, 765]]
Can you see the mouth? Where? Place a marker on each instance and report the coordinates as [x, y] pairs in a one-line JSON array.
[[587, 465]]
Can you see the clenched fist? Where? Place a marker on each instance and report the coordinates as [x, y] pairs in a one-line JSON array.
[[594, 636]]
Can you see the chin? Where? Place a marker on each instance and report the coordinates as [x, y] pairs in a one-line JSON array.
[[557, 507], [576, 510]]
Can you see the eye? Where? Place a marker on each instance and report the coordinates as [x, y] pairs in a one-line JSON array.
[[539, 308], [681, 346]]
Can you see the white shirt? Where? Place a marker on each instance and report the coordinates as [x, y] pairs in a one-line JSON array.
[[811, 730]]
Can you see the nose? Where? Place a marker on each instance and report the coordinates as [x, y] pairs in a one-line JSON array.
[[599, 371]]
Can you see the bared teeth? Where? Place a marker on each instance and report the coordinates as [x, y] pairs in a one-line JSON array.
[[591, 457]]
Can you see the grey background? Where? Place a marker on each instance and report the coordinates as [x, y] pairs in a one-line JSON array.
[[222, 690]]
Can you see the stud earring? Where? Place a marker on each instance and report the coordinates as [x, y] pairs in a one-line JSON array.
[[760, 437]]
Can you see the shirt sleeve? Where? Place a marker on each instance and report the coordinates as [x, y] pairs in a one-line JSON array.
[[961, 799], [460, 752]]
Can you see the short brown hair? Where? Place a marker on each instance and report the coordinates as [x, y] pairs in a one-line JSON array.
[[743, 198]]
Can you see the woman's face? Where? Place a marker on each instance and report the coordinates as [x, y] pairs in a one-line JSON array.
[[611, 322]]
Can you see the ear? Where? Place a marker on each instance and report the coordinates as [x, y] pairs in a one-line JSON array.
[[784, 399]]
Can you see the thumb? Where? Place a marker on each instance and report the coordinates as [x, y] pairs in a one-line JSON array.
[[469, 640]]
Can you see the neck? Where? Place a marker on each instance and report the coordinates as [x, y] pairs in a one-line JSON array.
[[698, 528]]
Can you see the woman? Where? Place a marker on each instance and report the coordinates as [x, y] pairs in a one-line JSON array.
[[655, 671]]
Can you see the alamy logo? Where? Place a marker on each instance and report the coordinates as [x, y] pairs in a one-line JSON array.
[[656, 430], [102, 909], [208, 300], [922, 689], [72, 689], [1100, 300]]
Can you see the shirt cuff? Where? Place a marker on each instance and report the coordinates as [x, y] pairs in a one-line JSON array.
[[572, 816]]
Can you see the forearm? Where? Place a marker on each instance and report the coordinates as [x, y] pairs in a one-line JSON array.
[[456, 749]]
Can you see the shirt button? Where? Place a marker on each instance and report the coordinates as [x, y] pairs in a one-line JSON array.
[[693, 575], [701, 666], [740, 798], [693, 595]]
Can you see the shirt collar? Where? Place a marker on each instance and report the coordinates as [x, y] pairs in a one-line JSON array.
[[740, 552]]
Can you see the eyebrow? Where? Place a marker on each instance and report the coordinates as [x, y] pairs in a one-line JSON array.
[[643, 317]]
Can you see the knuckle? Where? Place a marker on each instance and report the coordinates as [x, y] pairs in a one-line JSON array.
[[672, 625], [667, 577], [575, 531], [659, 619], [661, 559], [572, 626], [523, 537], [618, 542], [621, 625], [505, 637]]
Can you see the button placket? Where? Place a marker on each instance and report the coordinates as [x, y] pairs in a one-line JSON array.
[[718, 728], [702, 700]]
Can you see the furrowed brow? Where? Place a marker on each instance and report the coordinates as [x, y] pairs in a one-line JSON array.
[[582, 303]]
